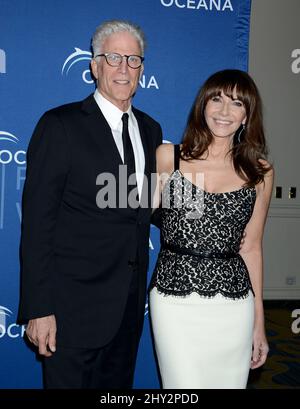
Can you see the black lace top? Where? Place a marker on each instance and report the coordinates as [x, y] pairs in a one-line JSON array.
[[207, 222]]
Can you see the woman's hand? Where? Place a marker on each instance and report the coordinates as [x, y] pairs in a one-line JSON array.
[[260, 348]]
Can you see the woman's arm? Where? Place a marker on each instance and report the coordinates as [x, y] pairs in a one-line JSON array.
[[164, 167], [253, 256]]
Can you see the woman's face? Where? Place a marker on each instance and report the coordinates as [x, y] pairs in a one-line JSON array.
[[224, 115]]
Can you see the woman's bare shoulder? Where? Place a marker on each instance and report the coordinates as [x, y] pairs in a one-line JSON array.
[[165, 157]]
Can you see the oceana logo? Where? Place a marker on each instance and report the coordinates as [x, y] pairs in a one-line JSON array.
[[6, 136], [6, 155], [208, 5], [12, 330], [74, 58]]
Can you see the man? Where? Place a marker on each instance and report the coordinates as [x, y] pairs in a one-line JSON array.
[[84, 264]]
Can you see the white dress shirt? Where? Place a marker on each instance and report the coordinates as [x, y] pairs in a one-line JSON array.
[[113, 116]]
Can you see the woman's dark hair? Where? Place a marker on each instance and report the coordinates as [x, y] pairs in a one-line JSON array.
[[245, 154]]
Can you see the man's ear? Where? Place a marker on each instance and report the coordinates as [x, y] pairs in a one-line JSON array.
[[94, 68]]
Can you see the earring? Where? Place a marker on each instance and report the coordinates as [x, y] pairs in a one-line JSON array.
[[240, 133]]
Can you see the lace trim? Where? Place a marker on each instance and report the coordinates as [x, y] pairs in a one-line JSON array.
[[205, 294]]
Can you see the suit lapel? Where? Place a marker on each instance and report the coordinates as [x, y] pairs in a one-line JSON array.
[[100, 129], [101, 133], [144, 138]]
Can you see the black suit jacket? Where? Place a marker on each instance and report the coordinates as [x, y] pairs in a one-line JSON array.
[[77, 260]]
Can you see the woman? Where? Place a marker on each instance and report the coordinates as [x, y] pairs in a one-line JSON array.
[[206, 293]]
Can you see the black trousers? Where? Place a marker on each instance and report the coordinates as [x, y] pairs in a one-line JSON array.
[[109, 367]]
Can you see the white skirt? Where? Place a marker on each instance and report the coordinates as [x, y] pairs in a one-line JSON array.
[[202, 343]]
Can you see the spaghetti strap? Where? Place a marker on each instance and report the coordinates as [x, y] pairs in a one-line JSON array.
[[176, 157]]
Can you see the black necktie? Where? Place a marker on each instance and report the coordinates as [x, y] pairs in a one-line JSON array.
[[127, 146], [128, 151]]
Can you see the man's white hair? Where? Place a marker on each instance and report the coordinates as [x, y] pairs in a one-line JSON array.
[[116, 26]]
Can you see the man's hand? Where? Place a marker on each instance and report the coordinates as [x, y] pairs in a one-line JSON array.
[[42, 333]]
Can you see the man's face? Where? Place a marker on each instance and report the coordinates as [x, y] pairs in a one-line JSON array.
[[118, 84]]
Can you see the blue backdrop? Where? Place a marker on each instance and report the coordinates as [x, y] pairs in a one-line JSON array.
[[44, 62]]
